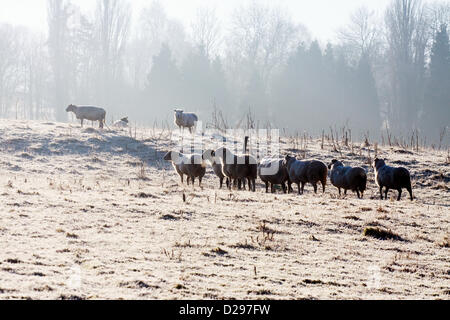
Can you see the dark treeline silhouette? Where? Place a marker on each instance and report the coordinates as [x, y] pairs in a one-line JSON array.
[[385, 71]]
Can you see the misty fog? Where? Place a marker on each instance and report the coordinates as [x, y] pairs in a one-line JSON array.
[[385, 71]]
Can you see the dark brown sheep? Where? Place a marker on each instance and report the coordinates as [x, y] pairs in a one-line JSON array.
[[302, 172], [238, 167], [273, 172], [192, 166], [392, 178], [348, 178]]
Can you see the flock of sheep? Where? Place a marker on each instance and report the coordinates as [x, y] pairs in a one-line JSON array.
[[239, 169]]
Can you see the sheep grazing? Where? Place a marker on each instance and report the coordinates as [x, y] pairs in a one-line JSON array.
[[348, 178], [273, 172], [88, 113], [122, 123], [392, 178], [238, 168], [185, 120], [216, 166], [302, 172], [192, 166]]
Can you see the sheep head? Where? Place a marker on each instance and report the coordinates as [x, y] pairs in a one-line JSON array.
[[209, 155], [173, 156], [71, 108], [335, 162], [378, 163]]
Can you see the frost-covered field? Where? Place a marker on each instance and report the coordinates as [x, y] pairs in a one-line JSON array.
[[79, 218]]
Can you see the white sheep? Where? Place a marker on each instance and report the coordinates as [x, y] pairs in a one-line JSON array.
[[192, 165], [122, 123], [88, 113], [185, 120]]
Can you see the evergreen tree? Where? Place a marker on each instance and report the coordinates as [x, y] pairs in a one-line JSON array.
[[196, 92], [163, 84], [219, 84], [437, 100], [365, 114]]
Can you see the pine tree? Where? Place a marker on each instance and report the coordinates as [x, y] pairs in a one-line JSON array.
[[437, 100], [366, 111], [163, 84]]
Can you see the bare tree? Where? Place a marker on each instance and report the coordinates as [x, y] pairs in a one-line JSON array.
[[439, 12], [407, 36], [59, 13], [206, 32], [261, 39], [362, 34], [113, 26], [8, 66]]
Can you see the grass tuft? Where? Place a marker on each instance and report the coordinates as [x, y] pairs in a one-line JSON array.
[[381, 234]]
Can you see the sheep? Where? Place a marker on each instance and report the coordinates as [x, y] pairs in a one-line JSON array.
[[216, 166], [185, 120], [122, 123], [238, 167], [301, 172], [88, 113], [347, 178], [274, 172], [392, 178], [192, 166]]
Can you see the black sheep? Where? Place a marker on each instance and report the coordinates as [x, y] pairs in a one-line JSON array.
[[348, 178], [392, 178]]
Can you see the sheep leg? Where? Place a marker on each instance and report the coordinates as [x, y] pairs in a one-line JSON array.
[[339, 191], [399, 194], [386, 193], [181, 176], [254, 185], [221, 182], [267, 187], [299, 188], [303, 187], [381, 192], [193, 181], [283, 186], [82, 120], [200, 182], [228, 183], [272, 188], [410, 192], [345, 192], [315, 187], [357, 193]]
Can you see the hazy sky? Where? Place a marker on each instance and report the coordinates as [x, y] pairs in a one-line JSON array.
[[322, 17]]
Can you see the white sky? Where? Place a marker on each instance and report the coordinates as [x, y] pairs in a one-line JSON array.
[[321, 17]]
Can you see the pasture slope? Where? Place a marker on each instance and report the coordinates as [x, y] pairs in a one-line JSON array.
[[81, 218]]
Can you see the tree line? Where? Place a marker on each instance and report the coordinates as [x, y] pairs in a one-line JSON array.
[[384, 71]]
